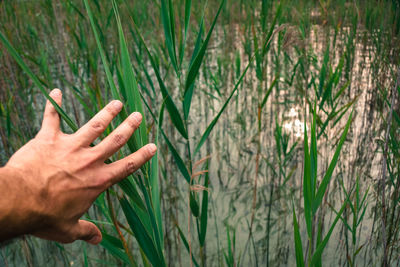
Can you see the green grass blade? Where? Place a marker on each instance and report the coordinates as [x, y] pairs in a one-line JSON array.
[[178, 160], [167, 19], [318, 262], [316, 258], [145, 241], [297, 241], [307, 191], [130, 83], [132, 142], [170, 105], [172, 27], [195, 67], [36, 81], [184, 240], [313, 153], [264, 101], [258, 67], [272, 29], [204, 211], [84, 104], [188, 5], [328, 175], [187, 100], [154, 186], [85, 257], [110, 80], [115, 247], [237, 64], [323, 72], [230, 257], [150, 211], [130, 190], [194, 206], [198, 41], [188, 95], [341, 90]]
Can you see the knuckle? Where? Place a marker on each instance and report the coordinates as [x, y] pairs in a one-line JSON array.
[[130, 167], [98, 126], [51, 111], [91, 156], [119, 140], [49, 114], [102, 182], [46, 138]]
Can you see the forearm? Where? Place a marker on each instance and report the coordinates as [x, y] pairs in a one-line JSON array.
[[17, 205]]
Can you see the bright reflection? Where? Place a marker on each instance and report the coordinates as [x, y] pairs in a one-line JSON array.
[[292, 124], [288, 126], [293, 113]]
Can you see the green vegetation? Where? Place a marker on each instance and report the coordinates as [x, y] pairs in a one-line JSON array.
[[277, 125]]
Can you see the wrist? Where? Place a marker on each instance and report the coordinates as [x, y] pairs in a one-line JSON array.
[[19, 210]]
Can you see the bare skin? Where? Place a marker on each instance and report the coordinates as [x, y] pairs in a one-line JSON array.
[[50, 182]]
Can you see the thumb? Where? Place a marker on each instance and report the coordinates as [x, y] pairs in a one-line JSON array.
[[51, 119], [88, 232]]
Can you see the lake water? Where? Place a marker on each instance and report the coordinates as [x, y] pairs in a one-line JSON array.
[[234, 144]]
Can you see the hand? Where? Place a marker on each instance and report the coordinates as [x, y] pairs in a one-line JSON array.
[[65, 175]]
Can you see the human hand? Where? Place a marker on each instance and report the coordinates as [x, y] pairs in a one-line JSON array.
[[64, 175]]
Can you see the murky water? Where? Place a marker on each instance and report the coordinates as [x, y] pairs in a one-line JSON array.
[[233, 149]]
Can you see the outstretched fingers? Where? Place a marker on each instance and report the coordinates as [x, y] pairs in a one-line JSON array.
[[97, 125], [51, 119], [128, 165], [118, 138]]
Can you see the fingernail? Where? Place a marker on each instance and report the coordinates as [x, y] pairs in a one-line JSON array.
[[137, 116], [152, 148], [117, 104], [55, 92]]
